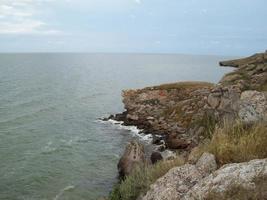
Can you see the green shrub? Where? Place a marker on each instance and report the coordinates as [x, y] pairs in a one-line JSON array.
[[141, 178]]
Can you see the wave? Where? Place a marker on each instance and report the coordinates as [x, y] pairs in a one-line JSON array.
[[133, 129], [61, 192]]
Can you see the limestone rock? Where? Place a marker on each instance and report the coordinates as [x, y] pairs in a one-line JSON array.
[[168, 155], [246, 181], [225, 101], [253, 106], [133, 155], [174, 184], [179, 180], [207, 163], [233, 181]]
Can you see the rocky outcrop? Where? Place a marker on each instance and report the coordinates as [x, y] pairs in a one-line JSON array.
[[180, 114], [168, 110], [133, 156], [179, 180], [251, 73], [179, 111], [198, 182], [253, 106], [233, 181]]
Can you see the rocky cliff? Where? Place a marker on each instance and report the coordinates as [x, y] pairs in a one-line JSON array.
[[231, 115], [180, 112]]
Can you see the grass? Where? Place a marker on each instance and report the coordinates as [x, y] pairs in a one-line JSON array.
[[209, 122], [140, 180], [234, 143], [183, 85], [240, 75]]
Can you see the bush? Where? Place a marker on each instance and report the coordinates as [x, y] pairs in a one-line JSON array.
[[141, 178]]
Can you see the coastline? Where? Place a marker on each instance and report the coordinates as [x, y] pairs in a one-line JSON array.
[[182, 116]]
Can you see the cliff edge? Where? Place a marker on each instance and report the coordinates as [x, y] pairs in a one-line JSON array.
[[183, 113]]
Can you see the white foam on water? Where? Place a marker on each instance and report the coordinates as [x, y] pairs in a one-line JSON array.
[[49, 148], [61, 192], [133, 129]]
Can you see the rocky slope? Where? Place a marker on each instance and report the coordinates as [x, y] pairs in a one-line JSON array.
[[240, 181], [182, 113]]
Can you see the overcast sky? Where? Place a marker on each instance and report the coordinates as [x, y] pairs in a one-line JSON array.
[[224, 27]]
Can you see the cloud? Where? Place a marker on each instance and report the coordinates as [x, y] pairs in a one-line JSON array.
[[19, 17], [26, 26], [138, 1]]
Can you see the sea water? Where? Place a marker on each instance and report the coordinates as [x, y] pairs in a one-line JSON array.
[[52, 147]]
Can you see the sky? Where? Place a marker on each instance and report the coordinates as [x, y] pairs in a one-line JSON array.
[[218, 27]]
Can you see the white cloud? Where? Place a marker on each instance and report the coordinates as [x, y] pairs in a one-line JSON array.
[[19, 17], [138, 1]]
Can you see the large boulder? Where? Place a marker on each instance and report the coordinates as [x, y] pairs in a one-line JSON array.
[[224, 101], [207, 163], [174, 184], [174, 142], [233, 181], [244, 181], [253, 106], [179, 180], [133, 156]]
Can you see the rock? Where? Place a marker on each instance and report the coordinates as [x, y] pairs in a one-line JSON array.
[[207, 163], [133, 156], [224, 101], [246, 181], [175, 109], [173, 142], [157, 139], [231, 78], [168, 155], [194, 155], [256, 58], [214, 100], [250, 73], [253, 106], [233, 181], [150, 118], [155, 157], [174, 184], [132, 117], [179, 180]]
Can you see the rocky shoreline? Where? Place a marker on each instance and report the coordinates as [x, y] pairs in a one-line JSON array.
[[179, 112], [182, 116]]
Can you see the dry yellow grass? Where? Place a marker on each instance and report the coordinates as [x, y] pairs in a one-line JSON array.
[[238, 143]]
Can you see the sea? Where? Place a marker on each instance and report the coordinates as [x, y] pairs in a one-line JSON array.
[[52, 144]]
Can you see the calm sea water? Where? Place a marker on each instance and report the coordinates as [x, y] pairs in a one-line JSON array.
[[51, 146]]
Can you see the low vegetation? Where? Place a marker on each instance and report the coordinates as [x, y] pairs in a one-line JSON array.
[[139, 181], [231, 143], [182, 85], [238, 143]]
